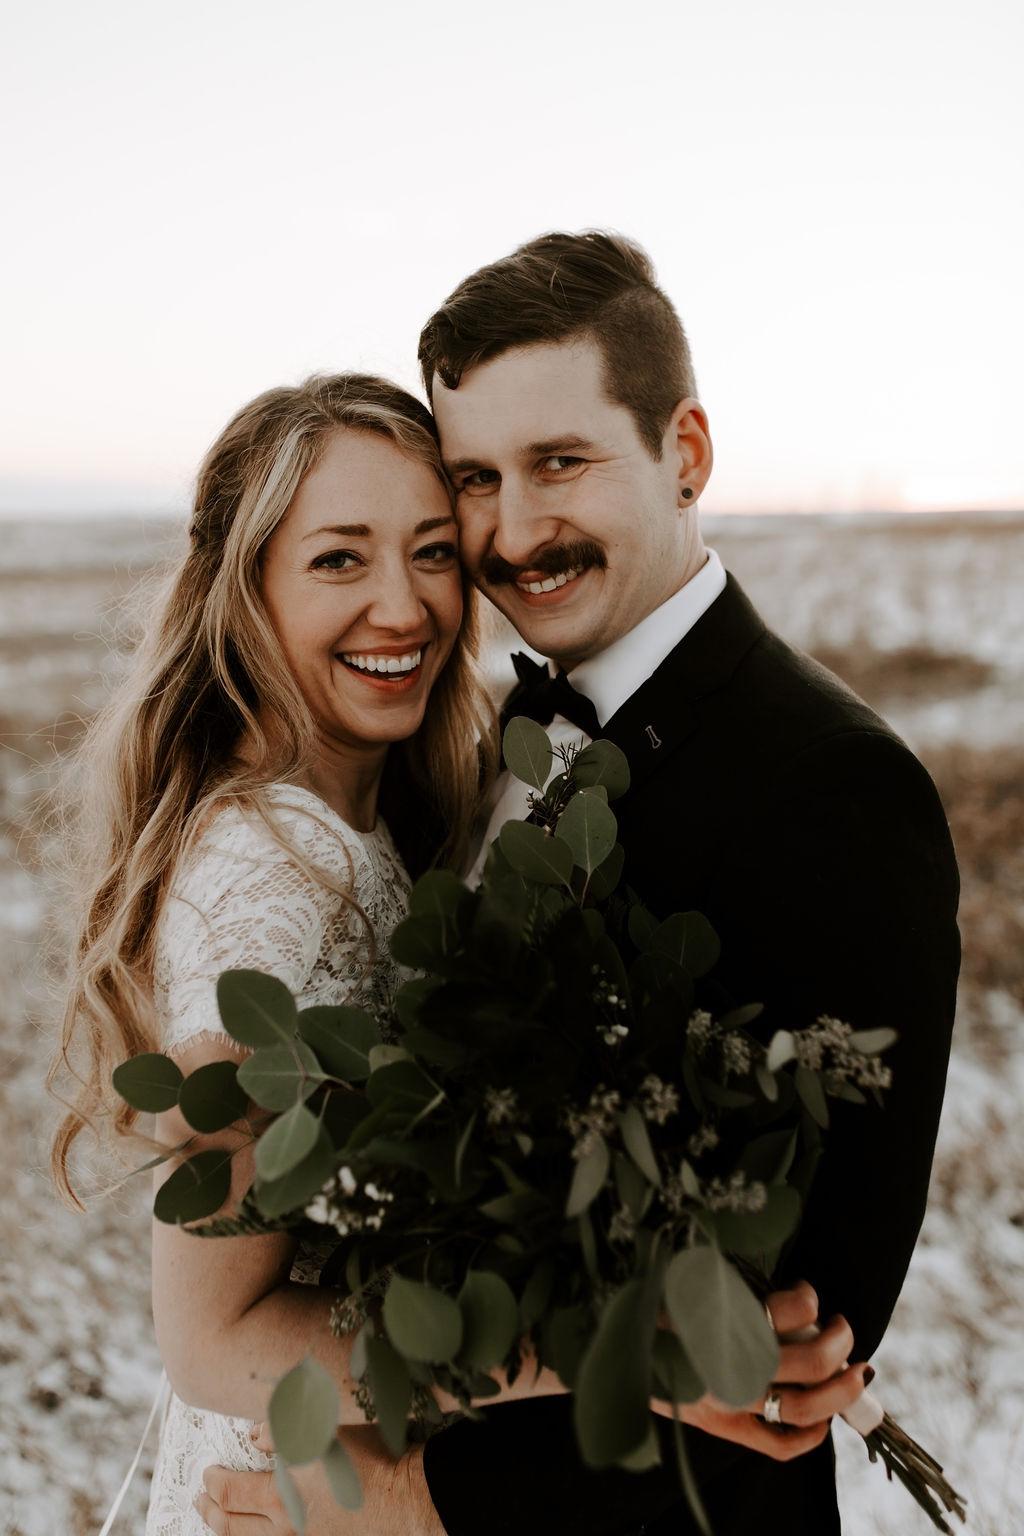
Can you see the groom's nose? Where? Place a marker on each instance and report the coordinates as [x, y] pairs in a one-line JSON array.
[[523, 525]]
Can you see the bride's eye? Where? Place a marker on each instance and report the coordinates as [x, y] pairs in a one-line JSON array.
[[437, 554], [336, 560]]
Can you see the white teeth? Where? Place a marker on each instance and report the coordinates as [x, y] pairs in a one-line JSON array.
[[550, 583], [391, 665]]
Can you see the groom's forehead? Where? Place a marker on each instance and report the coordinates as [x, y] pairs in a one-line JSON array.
[[522, 398]]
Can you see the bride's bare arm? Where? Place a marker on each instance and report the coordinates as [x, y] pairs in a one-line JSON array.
[[229, 1322]]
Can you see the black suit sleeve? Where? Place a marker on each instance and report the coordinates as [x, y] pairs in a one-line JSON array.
[[840, 898]]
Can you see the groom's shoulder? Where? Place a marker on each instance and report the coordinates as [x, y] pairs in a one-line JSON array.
[[811, 727]]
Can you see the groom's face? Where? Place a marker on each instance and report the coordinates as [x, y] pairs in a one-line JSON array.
[[566, 522]]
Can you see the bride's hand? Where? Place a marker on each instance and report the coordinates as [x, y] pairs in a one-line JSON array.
[[813, 1382]]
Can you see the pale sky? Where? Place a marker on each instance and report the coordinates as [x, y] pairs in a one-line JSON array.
[[206, 199]]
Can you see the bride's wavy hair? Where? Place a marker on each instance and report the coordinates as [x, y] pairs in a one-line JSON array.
[[209, 677]]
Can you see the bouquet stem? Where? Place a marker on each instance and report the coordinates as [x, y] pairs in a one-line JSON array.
[[902, 1457]]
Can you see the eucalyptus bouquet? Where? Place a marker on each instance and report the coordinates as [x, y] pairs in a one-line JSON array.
[[547, 1153]]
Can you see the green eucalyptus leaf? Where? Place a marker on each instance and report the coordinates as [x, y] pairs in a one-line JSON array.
[[738, 1018], [291, 1498], [198, 1188], [211, 1097], [284, 1145], [808, 1086], [438, 893], [255, 1008], [646, 1455], [303, 1413], [526, 749], [781, 1050], [588, 1177], [642, 925], [766, 1082], [637, 1141], [420, 942], [756, 1232], [675, 1369], [531, 852], [536, 1293], [513, 1208], [566, 1334], [721, 1325], [276, 1076], [462, 1144], [602, 763], [688, 939], [604, 879], [342, 1477], [871, 1041], [590, 829], [149, 1082], [422, 1322], [404, 1083], [769, 1157], [632, 1187], [410, 998], [490, 1319], [342, 1038], [612, 1392], [387, 1055], [391, 1385], [297, 1187]]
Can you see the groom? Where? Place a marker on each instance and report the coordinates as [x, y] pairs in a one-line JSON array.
[[764, 794]]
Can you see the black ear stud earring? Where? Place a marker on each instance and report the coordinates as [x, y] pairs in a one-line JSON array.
[[687, 491]]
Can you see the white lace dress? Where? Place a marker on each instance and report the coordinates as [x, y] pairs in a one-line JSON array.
[[242, 900]]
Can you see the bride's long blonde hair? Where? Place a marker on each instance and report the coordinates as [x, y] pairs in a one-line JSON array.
[[209, 676]]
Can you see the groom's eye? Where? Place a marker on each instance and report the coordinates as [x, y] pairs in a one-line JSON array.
[[560, 463], [479, 482]]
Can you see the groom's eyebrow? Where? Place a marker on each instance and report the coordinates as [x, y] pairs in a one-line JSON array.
[[565, 442]]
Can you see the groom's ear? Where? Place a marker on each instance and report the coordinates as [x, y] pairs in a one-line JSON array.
[[687, 447]]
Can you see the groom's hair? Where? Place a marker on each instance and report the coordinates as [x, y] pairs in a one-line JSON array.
[[592, 285]]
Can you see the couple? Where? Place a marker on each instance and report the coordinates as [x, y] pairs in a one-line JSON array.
[[306, 727]]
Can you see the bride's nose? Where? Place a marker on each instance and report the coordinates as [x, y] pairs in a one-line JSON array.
[[396, 604]]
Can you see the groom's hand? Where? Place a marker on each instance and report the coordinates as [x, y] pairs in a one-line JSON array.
[[396, 1501], [813, 1382]]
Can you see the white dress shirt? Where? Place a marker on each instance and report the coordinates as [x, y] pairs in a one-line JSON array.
[[608, 680]]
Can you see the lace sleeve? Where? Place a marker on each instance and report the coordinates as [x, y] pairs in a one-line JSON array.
[[242, 900]]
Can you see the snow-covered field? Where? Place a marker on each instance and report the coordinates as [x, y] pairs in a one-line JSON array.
[[924, 616]]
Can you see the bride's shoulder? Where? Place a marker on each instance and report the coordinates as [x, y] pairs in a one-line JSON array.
[[283, 831]]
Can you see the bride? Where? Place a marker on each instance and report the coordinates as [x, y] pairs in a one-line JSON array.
[[244, 800]]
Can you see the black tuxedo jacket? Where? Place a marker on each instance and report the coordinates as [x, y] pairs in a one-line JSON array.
[[768, 796]]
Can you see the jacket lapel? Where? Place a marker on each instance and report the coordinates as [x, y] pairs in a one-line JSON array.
[[665, 710]]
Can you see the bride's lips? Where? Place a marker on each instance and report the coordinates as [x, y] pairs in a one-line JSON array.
[[357, 664], [566, 585]]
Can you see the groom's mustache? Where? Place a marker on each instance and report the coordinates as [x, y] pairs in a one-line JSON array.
[[556, 561]]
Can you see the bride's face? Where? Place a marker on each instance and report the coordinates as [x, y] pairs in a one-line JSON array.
[[362, 584]]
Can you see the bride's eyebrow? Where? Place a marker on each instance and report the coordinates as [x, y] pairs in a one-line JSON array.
[[363, 531], [343, 530]]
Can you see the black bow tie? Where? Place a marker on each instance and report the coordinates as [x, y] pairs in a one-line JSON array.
[[542, 697]]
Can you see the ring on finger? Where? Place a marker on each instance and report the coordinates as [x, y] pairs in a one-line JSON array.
[[772, 1411]]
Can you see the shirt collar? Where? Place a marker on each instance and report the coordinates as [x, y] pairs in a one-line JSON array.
[[609, 678]]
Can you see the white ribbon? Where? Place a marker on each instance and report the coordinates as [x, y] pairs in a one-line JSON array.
[[163, 1393]]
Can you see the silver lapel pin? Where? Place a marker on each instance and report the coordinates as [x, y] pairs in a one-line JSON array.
[[653, 737]]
